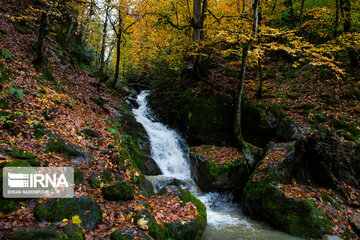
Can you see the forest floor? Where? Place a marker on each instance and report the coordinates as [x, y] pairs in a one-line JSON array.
[[61, 102]]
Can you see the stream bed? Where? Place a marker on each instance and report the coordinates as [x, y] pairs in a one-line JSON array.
[[225, 219]]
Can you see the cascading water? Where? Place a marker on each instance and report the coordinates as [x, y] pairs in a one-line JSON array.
[[170, 152]]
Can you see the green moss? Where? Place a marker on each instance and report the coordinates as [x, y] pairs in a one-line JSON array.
[[20, 154], [56, 210], [8, 206], [105, 176], [39, 234], [119, 191], [73, 232]]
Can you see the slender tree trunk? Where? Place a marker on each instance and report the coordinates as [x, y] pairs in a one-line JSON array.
[[246, 48], [118, 50], [290, 6], [273, 8], [40, 45], [243, 6], [336, 19], [104, 33], [346, 5], [302, 10], [199, 9]]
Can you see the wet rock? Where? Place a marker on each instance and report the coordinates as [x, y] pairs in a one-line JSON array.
[[119, 190], [76, 154], [78, 176], [355, 223], [263, 199], [145, 186], [55, 210], [73, 232]]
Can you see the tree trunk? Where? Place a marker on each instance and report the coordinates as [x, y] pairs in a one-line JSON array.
[[246, 48], [40, 45], [346, 5], [104, 32], [302, 10], [198, 24], [290, 6], [336, 19], [118, 50]]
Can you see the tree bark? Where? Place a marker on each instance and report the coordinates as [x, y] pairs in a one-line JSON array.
[[246, 48], [346, 5], [118, 50], [40, 45], [104, 33], [260, 78], [302, 10], [199, 9]]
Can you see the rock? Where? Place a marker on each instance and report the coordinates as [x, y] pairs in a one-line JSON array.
[[100, 101], [8, 206], [70, 231], [263, 199], [287, 130], [78, 176], [132, 102], [261, 124], [24, 155], [75, 154], [231, 175], [105, 176], [48, 233], [145, 186], [73, 232], [326, 160], [139, 147], [190, 230], [89, 133], [127, 233], [55, 210], [119, 191], [128, 91]]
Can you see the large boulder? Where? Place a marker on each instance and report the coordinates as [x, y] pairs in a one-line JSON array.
[[55, 210], [176, 230], [221, 168], [327, 160], [119, 190], [99, 180], [76, 154], [264, 197], [205, 118], [70, 231], [261, 124]]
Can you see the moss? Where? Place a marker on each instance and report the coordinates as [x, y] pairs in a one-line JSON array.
[[56, 210], [105, 176], [119, 191], [20, 154], [145, 185], [8, 206], [39, 234], [78, 176], [73, 232]]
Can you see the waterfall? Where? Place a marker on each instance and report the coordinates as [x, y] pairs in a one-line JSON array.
[[171, 153]]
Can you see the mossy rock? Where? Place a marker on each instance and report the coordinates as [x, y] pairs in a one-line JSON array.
[[127, 233], [190, 230], [48, 233], [79, 176], [262, 200], [8, 206], [105, 176], [119, 190], [89, 133], [145, 186], [75, 154], [73, 232], [56, 210], [20, 154], [70, 232]]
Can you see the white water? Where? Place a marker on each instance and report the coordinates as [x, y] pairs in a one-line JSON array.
[[170, 152]]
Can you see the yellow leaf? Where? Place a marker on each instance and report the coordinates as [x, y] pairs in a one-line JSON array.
[[65, 220], [76, 220]]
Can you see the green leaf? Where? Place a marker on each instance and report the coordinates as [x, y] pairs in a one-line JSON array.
[[112, 130], [20, 94], [12, 90]]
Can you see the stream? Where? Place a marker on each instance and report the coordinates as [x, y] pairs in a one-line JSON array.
[[225, 219]]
